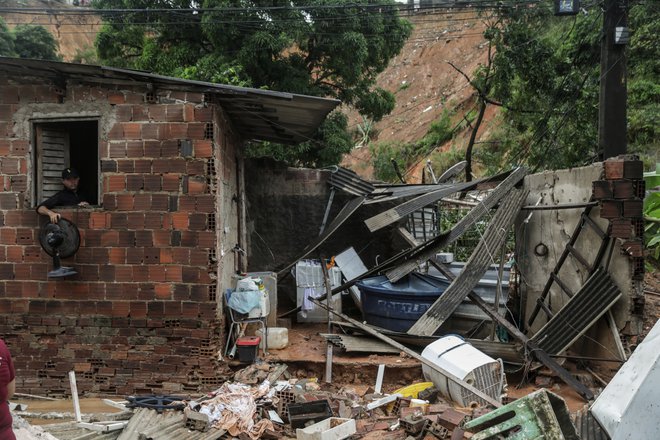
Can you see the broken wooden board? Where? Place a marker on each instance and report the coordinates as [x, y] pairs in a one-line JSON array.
[[476, 266], [432, 247]]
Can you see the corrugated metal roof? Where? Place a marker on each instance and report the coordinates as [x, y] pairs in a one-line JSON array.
[[573, 320], [349, 182], [256, 114], [363, 344], [397, 213], [148, 424]]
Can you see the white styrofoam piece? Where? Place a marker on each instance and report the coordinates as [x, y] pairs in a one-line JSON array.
[[334, 428], [383, 401], [277, 339], [351, 265], [628, 407]]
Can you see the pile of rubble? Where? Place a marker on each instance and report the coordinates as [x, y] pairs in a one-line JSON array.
[[264, 401]]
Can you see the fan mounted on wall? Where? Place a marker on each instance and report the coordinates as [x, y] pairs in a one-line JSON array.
[[60, 240]]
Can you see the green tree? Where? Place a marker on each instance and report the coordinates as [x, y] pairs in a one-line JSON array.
[[546, 75], [329, 48], [7, 48], [35, 42]]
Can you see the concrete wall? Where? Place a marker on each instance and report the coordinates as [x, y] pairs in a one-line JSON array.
[[285, 213], [553, 228], [141, 316]]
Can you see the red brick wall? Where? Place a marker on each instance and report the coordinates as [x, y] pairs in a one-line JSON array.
[[141, 315]]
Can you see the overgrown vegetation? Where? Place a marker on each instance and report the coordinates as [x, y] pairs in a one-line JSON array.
[[546, 75], [28, 41], [407, 154]]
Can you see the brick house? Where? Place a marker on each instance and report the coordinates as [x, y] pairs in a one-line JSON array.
[[160, 159]]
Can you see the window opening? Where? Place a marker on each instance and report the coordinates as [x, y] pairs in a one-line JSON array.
[[59, 145]]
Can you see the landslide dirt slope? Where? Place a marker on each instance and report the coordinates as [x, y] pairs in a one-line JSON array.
[[425, 84], [74, 33]]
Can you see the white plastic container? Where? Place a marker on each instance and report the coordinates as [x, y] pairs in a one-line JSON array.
[[278, 337], [334, 428], [310, 282], [462, 360]]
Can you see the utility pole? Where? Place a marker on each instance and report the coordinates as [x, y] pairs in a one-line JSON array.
[[612, 132]]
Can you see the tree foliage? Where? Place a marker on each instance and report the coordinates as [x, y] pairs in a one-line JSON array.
[[35, 42], [7, 38], [27, 41], [329, 48], [546, 74]]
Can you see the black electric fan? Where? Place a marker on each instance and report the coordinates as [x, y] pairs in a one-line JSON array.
[[60, 240]]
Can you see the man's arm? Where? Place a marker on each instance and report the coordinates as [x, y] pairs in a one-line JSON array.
[[54, 216], [46, 207]]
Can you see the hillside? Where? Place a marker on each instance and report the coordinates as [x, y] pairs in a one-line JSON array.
[[74, 33], [425, 84]]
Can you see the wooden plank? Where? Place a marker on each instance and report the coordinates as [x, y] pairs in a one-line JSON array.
[[493, 238], [483, 396], [52, 156], [576, 254], [436, 244], [561, 284]]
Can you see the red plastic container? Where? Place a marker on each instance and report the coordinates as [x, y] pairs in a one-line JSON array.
[[247, 347]]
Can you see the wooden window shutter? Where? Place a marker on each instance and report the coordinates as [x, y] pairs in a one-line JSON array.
[[53, 151]]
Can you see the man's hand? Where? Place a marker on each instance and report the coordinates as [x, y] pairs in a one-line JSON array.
[[54, 216], [83, 204]]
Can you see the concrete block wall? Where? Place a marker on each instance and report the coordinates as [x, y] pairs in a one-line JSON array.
[[141, 315]]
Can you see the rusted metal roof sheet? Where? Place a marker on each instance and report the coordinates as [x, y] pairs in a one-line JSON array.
[[387, 193], [591, 302], [256, 114]]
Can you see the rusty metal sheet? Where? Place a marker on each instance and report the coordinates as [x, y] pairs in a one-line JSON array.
[[348, 181]]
